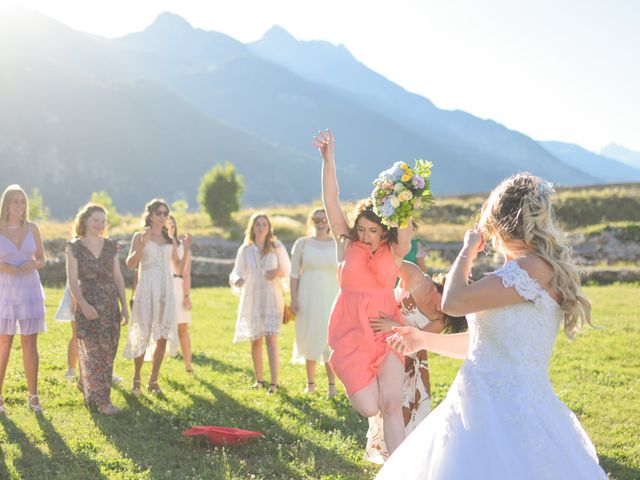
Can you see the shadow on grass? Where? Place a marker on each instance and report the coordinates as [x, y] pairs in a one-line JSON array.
[[33, 463], [617, 470], [280, 447], [62, 455], [203, 360], [31, 458]]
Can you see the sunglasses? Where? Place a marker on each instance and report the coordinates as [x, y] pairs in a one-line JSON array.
[[161, 213], [319, 220]]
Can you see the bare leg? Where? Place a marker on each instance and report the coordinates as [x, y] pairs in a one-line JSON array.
[[256, 356], [391, 385], [311, 376], [72, 348], [366, 401], [331, 379], [31, 361], [158, 356], [273, 353], [5, 351], [185, 345], [137, 363]]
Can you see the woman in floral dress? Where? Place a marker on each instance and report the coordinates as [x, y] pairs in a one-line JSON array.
[[97, 286]]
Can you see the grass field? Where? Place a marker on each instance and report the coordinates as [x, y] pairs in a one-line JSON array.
[[597, 375]]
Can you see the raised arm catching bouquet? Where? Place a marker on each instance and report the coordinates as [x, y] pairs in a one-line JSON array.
[[400, 190]]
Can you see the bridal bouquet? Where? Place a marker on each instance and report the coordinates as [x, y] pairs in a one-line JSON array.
[[400, 190]]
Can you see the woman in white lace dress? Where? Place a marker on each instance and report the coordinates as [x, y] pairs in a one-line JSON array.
[[501, 417], [314, 286], [260, 273], [153, 316]]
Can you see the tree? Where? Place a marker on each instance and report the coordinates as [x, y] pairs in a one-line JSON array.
[[220, 192], [37, 210], [179, 210], [103, 198]]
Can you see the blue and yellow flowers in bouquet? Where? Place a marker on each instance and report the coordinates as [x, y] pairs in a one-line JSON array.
[[400, 190]]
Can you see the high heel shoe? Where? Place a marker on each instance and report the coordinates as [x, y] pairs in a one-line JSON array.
[[154, 388], [259, 384], [136, 391], [310, 388], [35, 408], [273, 388]]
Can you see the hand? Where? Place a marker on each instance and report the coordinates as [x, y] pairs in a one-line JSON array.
[[27, 267], [186, 241], [239, 283], [271, 274], [294, 306], [88, 311], [324, 143], [186, 302], [10, 269], [125, 316], [473, 241], [382, 324], [407, 340]]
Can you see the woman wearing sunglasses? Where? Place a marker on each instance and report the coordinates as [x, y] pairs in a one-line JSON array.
[[314, 287], [153, 317]]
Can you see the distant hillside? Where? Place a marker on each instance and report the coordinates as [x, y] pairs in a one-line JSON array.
[[597, 166], [149, 113], [623, 154]]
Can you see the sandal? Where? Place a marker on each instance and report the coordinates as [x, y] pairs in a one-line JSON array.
[[3, 411], [35, 408], [259, 384], [332, 391], [154, 388], [136, 391], [310, 388], [273, 388]]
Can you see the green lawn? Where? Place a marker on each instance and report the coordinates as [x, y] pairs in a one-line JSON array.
[[598, 376]]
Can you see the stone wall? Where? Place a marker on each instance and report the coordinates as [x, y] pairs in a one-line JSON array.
[[213, 259]]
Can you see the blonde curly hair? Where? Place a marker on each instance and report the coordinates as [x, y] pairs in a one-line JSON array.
[[519, 211]]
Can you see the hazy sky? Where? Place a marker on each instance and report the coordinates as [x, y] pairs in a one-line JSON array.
[[564, 70]]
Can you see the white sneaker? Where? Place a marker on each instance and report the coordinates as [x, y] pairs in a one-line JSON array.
[[70, 375], [115, 378]]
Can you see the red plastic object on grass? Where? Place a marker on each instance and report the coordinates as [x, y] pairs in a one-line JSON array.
[[222, 435]]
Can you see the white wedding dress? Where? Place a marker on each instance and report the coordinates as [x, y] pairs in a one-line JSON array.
[[501, 418]]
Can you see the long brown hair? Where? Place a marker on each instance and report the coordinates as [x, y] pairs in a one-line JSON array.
[[250, 237], [150, 208], [4, 203], [364, 209], [80, 223]]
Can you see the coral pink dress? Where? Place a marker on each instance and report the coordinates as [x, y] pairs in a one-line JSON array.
[[366, 288]]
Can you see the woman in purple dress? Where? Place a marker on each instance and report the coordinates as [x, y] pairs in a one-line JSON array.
[[21, 293]]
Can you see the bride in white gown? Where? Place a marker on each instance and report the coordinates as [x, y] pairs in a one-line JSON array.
[[501, 418]]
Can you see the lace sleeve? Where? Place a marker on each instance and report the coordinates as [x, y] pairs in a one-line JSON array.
[[513, 275], [239, 270]]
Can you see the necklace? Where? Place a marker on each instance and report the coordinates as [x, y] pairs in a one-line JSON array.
[[12, 227]]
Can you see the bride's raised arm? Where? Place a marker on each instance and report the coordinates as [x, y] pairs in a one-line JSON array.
[[330, 192]]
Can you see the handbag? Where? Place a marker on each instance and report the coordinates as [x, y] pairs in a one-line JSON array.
[[287, 314]]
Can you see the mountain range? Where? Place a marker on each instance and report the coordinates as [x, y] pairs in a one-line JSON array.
[[148, 114]]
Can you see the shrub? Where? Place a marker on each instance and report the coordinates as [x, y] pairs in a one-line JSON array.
[[220, 192]]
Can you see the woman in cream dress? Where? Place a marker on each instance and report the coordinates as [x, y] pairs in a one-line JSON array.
[[314, 287]]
